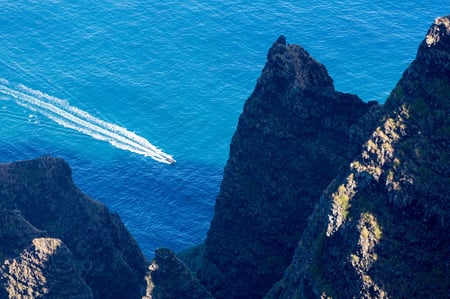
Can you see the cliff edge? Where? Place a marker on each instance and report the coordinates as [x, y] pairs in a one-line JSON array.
[[56, 242], [292, 136], [379, 230]]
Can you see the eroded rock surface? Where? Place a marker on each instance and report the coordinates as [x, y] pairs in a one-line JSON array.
[[290, 141], [39, 199], [168, 277], [379, 228], [45, 269]]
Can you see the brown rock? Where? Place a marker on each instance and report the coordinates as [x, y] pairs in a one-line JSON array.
[[44, 269]]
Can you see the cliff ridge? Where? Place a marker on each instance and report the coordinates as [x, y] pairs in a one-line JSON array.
[[47, 219], [378, 230], [292, 136]]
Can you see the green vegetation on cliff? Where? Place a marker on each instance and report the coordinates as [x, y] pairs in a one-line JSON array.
[[386, 213]]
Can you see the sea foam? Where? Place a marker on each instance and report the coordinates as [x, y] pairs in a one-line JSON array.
[[62, 113]]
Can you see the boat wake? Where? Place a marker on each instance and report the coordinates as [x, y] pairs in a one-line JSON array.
[[62, 113]]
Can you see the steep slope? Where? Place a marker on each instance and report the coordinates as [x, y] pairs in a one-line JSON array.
[[380, 229], [290, 141], [168, 277], [39, 199], [45, 269]]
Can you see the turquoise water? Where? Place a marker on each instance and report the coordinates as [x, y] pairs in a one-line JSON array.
[[176, 74]]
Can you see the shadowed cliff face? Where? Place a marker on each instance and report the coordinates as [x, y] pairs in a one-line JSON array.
[[39, 199], [168, 277], [290, 141], [380, 229]]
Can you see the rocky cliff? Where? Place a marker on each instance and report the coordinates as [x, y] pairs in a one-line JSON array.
[[364, 188], [292, 136], [57, 243], [168, 277], [379, 230], [44, 269]]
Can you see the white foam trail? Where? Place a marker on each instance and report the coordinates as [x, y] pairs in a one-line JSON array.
[[71, 117]]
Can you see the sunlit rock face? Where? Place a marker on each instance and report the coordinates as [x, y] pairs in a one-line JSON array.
[[38, 200], [292, 136], [379, 228], [45, 269]]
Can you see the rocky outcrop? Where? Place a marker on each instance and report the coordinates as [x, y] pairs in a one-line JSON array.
[[38, 199], [16, 233], [379, 230], [168, 277], [290, 141], [45, 269]]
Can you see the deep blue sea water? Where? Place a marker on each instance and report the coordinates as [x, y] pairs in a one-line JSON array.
[[176, 73]]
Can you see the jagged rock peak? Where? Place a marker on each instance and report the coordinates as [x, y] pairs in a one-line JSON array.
[[370, 234], [291, 65], [439, 32], [281, 40], [429, 73], [433, 55], [291, 139]]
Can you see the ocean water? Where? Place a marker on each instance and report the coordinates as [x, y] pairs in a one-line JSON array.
[[108, 84]]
